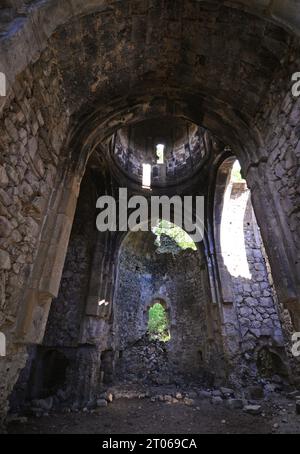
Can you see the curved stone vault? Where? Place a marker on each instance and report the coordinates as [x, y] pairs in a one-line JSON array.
[[87, 81]]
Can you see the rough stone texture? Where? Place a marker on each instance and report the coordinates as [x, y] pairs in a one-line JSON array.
[[273, 180], [180, 280], [251, 312], [65, 317], [29, 158], [186, 147], [79, 72], [286, 13], [146, 361], [254, 300]]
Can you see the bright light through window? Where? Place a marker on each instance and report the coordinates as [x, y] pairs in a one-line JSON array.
[[232, 237], [146, 175], [160, 148], [236, 173]]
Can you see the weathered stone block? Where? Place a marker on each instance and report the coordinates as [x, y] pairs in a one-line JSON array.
[[5, 263]]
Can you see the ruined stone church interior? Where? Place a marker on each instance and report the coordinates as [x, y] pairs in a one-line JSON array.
[[148, 330]]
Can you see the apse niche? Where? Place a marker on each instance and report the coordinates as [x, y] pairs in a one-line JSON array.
[[162, 319]]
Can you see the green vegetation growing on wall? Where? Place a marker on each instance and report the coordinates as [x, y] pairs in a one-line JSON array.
[[183, 240]]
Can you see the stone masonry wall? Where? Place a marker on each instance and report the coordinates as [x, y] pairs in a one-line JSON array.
[[138, 49], [66, 335], [32, 128], [66, 313], [254, 300], [180, 281], [255, 297], [273, 177]]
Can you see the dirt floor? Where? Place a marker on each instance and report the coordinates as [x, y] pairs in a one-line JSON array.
[[142, 416]]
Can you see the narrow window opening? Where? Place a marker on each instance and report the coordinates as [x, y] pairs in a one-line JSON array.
[[147, 176], [160, 149], [158, 324]]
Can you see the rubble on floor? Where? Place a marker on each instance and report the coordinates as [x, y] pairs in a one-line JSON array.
[[252, 400]]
